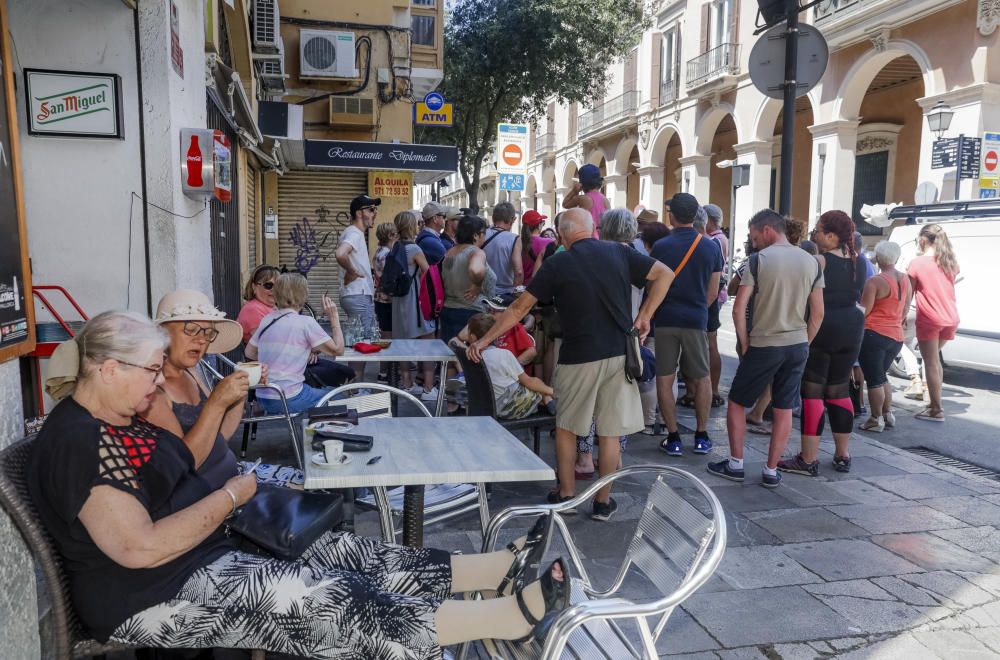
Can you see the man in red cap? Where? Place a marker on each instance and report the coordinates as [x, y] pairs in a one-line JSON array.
[[532, 243]]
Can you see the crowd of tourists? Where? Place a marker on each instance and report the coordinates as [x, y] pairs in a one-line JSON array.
[[597, 320]]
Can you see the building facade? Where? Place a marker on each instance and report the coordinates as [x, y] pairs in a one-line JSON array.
[[683, 102]]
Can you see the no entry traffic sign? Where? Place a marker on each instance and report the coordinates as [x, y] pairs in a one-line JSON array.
[[989, 170], [512, 148], [990, 160]]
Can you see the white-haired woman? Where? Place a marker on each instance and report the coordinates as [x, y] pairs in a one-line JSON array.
[[886, 299], [149, 562]]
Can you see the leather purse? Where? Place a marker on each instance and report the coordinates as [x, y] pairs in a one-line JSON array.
[[284, 522]]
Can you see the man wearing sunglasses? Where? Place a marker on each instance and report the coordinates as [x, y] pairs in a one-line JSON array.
[[357, 288]]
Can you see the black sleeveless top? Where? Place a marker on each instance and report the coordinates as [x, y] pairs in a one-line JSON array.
[[845, 279]]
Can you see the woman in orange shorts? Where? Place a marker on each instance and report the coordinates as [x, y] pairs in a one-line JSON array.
[[933, 277]]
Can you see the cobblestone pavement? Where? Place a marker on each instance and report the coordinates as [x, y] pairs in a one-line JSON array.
[[900, 558]]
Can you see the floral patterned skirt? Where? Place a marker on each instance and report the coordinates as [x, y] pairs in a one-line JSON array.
[[347, 597]]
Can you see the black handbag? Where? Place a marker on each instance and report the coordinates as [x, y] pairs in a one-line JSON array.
[[284, 522]]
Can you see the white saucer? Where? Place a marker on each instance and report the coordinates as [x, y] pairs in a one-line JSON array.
[[319, 459]]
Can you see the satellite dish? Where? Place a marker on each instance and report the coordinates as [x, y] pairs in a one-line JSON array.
[[767, 61], [927, 193]]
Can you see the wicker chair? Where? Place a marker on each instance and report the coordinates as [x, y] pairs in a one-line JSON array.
[[68, 637], [67, 634]]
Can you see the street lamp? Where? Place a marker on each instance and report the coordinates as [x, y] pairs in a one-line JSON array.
[[939, 121], [740, 178]]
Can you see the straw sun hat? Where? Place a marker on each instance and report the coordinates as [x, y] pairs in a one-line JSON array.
[[188, 305]]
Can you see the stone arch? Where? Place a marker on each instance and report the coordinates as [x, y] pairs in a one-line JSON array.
[[569, 171], [709, 123], [657, 152], [857, 80], [531, 191], [595, 156], [623, 152], [767, 115]]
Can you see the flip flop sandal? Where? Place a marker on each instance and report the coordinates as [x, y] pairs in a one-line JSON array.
[[758, 428], [528, 557], [687, 401], [718, 401], [929, 416]]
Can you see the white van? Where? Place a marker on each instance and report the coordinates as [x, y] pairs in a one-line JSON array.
[[974, 230]]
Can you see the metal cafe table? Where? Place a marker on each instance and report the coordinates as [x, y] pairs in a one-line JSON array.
[[417, 451], [408, 350]]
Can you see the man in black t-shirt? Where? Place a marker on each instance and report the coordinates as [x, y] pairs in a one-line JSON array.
[[590, 285]]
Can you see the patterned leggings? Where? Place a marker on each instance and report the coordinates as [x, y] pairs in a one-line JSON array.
[[347, 597]]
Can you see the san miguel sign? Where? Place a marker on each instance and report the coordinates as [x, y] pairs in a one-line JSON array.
[[71, 104], [381, 156]]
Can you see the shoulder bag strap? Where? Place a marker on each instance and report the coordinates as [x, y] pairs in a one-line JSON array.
[[754, 267], [687, 256], [273, 321], [496, 232]]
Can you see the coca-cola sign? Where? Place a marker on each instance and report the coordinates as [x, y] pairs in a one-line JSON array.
[[198, 162], [381, 155]]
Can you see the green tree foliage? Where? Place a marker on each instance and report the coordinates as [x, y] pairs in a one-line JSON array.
[[504, 59]]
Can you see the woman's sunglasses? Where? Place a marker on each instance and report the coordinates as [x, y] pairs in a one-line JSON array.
[[266, 285]]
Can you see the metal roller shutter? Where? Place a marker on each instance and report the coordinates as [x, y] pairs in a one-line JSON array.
[[253, 215], [307, 242]]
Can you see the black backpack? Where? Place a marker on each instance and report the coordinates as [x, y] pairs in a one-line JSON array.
[[396, 278]]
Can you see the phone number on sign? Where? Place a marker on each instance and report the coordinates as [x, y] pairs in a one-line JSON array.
[[392, 191]]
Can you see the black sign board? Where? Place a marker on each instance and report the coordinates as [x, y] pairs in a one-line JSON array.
[[971, 150], [17, 332], [381, 156], [944, 152]]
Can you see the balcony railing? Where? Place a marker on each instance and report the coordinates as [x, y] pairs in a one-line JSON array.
[[610, 111], [829, 8], [544, 143], [723, 60], [668, 91]]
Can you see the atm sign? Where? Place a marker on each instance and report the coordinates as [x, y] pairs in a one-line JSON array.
[[425, 116]]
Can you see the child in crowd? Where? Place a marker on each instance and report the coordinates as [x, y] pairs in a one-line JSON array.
[[517, 340], [517, 394]]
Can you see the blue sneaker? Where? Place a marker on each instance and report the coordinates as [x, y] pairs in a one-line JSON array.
[[767, 481], [672, 447], [722, 469], [702, 445]]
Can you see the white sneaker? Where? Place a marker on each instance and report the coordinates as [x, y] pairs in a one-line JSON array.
[[429, 396], [890, 420], [873, 425]]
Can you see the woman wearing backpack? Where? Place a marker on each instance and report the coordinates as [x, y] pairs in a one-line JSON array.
[[407, 320]]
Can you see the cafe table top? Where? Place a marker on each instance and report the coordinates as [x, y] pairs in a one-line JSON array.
[[430, 450]]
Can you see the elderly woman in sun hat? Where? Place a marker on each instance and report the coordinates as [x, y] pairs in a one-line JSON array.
[[185, 405], [149, 562]]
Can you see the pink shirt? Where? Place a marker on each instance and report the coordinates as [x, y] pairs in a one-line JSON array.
[[596, 208], [285, 349], [538, 245], [250, 317], [934, 292]]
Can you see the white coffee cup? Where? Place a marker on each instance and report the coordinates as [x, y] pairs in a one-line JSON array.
[[332, 451], [253, 371]]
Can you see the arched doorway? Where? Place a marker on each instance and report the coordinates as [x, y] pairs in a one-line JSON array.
[[672, 168], [801, 159], [888, 149], [632, 184], [720, 180]]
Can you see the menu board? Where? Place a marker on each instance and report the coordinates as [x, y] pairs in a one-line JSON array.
[[17, 331]]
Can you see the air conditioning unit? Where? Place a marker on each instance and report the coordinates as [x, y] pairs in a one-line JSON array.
[[266, 26], [271, 69], [352, 112], [326, 54]]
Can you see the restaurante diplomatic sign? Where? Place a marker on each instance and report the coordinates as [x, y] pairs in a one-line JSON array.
[[381, 156], [71, 104]]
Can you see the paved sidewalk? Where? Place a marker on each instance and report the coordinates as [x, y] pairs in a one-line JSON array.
[[898, 559]]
